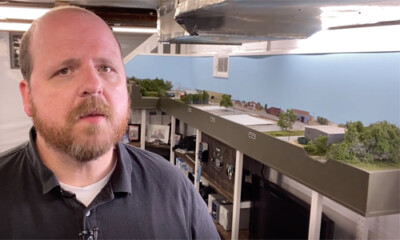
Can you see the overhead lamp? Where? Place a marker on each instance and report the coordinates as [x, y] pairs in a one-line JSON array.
[[370, 39], [7, 26], [134, 30], [353, 15], [25, 13]]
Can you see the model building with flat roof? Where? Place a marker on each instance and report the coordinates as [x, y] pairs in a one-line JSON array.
[[333, 133]]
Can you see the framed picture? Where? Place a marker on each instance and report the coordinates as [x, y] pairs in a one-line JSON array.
[[158, 132], [134, 132], [177, 138], [15, 42]]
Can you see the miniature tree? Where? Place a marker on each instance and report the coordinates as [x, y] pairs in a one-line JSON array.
[[286, 120], [379, 142], [258, 106], [322, 120], [187, 98], [317, 146], [226, 101], [205, 97], [196, 98]]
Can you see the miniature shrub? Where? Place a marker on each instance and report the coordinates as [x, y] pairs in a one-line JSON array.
[[158, 86], [379, 142], [311, 148], [340, 152], [317, 146]]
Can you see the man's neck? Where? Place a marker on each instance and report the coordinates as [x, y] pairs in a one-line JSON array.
[[72, 172]]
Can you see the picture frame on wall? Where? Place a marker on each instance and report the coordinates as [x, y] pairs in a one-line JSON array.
[[15, 42], [158, 133], [177, 138], [134, 132]]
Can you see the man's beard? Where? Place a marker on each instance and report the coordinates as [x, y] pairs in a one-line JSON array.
[[61, 139]]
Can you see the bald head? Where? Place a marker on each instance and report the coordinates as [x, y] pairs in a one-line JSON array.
[[56, 19]]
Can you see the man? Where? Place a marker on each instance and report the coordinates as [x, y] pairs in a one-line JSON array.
[[73, 179]]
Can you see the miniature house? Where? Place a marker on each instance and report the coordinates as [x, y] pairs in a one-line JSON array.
[[302, 116], [334, 134]]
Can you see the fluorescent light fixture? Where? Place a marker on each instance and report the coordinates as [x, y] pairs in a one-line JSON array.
[[134, 30], [25, 13], [370, 39], [8, 26], [5, 26], [21, 12], [357, 15]]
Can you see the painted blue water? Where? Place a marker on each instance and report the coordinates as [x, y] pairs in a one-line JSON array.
[[340, 87]]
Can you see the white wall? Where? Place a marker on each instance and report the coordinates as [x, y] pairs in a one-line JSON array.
[[14, 124]]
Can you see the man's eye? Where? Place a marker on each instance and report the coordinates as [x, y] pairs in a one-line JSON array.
[[64, 71], [104, 69]]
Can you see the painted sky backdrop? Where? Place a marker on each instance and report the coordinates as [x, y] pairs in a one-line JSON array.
[[340, 87]]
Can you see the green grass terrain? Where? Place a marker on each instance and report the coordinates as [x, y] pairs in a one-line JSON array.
[[285, 134], [376, 166]]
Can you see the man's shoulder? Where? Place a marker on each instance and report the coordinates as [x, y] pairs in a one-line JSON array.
[[12, 162], [145, 156], [153, 165], [12, 155]]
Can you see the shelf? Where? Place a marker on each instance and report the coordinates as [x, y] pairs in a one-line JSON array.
[[243, 234], [189, 159], [135, 144], [367, 193]]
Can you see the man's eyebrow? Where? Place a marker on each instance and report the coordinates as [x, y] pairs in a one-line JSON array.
[[71, 62], [106, 61]]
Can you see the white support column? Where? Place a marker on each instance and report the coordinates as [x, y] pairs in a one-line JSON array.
[[362, 228], [172, 48], [197, 166], [172, 141], [237, 191], [315, 216], [160, 48], [143, 129]]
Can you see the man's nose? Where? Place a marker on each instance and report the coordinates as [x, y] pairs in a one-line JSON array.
[[92, 83]]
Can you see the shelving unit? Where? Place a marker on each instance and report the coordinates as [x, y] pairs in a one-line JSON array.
[[189, 159], [366, 193]]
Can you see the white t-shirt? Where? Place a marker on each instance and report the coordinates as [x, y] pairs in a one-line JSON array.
[[88, 193]]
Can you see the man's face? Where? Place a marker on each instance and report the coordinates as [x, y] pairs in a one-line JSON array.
[[77, 96]]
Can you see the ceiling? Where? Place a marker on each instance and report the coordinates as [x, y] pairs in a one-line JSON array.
[[234, 21]]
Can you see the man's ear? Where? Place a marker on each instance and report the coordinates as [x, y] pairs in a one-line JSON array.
[[25, 93]]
